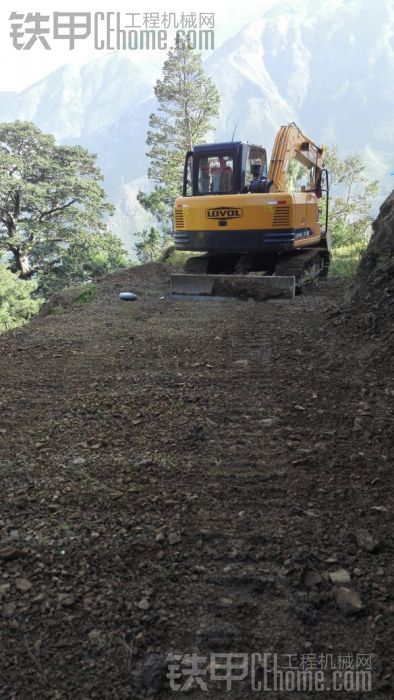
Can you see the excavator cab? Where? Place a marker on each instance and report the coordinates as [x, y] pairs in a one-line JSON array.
[[222, 168]]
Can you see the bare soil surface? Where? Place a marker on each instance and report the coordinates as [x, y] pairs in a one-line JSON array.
[[184, 478]]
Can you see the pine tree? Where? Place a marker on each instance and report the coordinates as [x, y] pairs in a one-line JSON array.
[[187, 102]]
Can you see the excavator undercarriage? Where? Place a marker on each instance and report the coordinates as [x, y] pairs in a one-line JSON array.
[[223, 276]]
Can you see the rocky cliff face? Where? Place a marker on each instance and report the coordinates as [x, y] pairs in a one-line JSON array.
[[371, 306], [377, 264]]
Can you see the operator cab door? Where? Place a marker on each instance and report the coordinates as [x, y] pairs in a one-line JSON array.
[[188, 175]]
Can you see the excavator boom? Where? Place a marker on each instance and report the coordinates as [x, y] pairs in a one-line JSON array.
[[291, 142]]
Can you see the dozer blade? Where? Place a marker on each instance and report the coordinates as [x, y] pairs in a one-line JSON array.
[[226, 287]]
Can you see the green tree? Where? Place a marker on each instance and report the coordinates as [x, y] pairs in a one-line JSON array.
[[16, 302], [352, 195], [351, 198], [295, 175], [87, 258], [49, 195], [149, 246], [187, 102]]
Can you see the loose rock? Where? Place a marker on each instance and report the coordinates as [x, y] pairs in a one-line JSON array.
[[23, 585], [366, 541], [339, 576], [348, 600], [174, 538]]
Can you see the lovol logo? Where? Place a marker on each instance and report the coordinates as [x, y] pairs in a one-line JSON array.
[[219, 213]]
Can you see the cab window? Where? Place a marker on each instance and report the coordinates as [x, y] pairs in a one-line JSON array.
[[216, 174]]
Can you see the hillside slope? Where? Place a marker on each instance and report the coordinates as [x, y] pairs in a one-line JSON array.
[[182, 477]]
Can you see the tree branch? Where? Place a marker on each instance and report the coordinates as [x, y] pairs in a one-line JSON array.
[[55, 209]]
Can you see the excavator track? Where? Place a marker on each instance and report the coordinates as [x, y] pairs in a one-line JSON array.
[[197, 265], [306, 267], [202, 280]]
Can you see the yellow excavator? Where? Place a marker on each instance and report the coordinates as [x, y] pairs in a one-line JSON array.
[[258, 238]]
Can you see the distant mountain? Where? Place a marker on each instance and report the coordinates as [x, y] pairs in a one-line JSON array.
[[73, 102], [329, 66]]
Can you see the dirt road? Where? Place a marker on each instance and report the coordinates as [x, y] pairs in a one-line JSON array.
[[183, 478]]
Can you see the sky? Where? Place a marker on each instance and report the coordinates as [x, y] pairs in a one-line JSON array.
[[23, 67]]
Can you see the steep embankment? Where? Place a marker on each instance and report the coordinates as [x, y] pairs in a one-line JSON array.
[[182, 477], [372, 301]]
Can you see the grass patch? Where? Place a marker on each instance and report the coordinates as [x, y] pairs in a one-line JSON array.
[[84, 294], [58, 311], [346, 259]]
